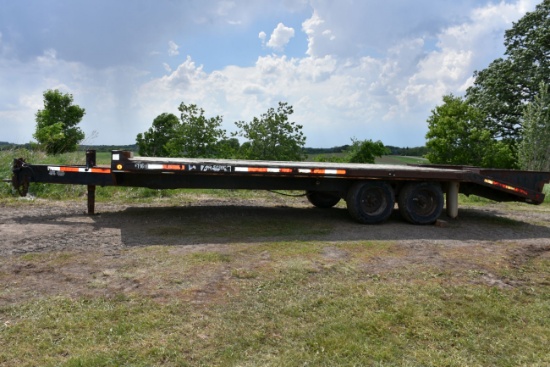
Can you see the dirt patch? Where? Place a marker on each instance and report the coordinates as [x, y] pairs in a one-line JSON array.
[[54, 248]]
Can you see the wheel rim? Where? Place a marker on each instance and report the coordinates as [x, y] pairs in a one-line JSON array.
[[425, 202], [373, 201]]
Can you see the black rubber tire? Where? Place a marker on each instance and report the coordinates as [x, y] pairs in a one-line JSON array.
[[322, 199], [370, 202], [421, 202]]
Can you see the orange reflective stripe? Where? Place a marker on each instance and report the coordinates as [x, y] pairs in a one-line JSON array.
[[80, 169], [257, 169], [101, 170], [69, 169], [177, 167], [506, 187]]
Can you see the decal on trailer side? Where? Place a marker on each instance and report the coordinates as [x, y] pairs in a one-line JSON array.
[[215, 168]]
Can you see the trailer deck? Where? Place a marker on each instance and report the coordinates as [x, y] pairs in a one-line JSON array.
[[370, 191]]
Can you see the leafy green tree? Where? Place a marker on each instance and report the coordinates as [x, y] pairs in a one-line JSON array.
[[502, 90], [534, 149], [457, 135], [196, 136], [366, 151], [153, 142], [56, 129], [272, 136], [228, 148]]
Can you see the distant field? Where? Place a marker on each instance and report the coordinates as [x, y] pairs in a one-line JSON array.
[[398, 159], [387, 159]]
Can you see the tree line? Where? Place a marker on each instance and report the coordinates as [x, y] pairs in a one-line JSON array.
[[272, 136]]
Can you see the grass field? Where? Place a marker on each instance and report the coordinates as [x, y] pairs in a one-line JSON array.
[[276, 303]]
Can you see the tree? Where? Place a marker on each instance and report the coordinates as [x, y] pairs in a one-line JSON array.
[[456, 135], [153, 142], [228, 148], [366, 151], [196, 136], [534, 149], [502, 90], [56, 129], [272, 136]]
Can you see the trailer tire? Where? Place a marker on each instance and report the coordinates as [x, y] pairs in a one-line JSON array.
[[322, 199], [421, 202], [370, 202]]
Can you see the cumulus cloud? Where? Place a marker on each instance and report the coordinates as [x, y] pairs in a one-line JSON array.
[[460, 49], [280, 37], [173, 48], [317, 35], [262, 36]]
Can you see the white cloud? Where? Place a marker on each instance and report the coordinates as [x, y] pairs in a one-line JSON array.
[[280, 37], [316, 33], [461, 49], [173, 48], [224, 7], [262, 36]]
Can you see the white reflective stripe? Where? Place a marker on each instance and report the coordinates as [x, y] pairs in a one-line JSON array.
[[154, 166], [116, 157], [54, 168], [263, 170], [309, 171]]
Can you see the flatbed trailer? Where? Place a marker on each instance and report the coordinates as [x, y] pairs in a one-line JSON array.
[[370, 191]]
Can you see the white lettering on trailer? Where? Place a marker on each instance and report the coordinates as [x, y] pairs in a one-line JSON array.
[[215, 168]]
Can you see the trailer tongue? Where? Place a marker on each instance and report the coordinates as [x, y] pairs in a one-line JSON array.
[[370, 191]]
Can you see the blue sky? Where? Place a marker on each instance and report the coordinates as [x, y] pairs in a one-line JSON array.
[[365, 69]]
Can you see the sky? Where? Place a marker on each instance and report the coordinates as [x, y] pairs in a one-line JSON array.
[[363, 69]]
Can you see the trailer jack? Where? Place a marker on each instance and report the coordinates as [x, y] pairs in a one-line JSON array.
[[19, 180]]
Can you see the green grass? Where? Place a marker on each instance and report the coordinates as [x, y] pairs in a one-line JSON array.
[[400, 160], [295, 308]]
